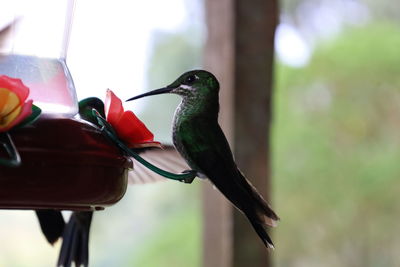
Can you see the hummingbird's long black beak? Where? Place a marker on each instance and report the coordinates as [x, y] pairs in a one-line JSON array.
[[154, 92]]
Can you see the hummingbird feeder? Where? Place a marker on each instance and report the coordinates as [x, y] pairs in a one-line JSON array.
[[57, 153], [59, 161]]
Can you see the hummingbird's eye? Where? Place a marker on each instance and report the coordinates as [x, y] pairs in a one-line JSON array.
[[190, 79]]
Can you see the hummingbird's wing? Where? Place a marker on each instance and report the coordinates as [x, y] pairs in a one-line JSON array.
[[167, 159], [206, 146]]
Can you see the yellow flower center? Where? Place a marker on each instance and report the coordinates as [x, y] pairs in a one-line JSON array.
[[10, 107]]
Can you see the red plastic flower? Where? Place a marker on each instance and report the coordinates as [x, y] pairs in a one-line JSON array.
[[14, 107], [127, 126]]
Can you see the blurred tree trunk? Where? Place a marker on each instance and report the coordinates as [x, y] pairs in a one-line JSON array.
[[239, 51], [256, 21], [219, 59]]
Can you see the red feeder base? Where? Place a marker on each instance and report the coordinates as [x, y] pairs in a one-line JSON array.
[[66, 164]]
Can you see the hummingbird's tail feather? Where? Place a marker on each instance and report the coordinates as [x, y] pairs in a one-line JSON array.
[[263, 210], [51, 223], [262, 233], [75, 240], [260, 214], [245, 197]]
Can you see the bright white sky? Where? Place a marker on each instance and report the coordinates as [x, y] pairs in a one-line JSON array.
[[110, 40], [290, 47]]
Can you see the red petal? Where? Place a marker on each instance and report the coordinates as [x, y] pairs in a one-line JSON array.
[[132, 130], [128, 127], [16, 86], [113, 108]]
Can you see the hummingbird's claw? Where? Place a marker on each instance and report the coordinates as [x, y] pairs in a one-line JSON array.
[[190, 179]]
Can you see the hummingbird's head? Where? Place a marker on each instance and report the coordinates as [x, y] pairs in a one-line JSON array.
[[197, 84]]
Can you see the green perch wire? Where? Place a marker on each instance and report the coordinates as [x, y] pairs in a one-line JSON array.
[[14, 159], [7, 143], [186, 177]]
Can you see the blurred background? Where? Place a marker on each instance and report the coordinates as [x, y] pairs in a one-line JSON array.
[[335, 133], [336, 144]]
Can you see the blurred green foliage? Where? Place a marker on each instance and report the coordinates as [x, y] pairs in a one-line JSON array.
[[387, 10], [336, 152], [176, 244]]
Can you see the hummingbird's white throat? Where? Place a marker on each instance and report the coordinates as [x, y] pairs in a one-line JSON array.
[[184, 86]]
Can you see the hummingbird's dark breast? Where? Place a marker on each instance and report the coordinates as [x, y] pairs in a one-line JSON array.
[[184, 129]]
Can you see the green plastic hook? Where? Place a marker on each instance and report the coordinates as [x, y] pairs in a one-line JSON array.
[[7, 143]]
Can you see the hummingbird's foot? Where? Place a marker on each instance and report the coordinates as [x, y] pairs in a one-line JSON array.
[[189, 179]]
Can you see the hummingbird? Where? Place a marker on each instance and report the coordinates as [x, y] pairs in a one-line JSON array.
[[200, 140]]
